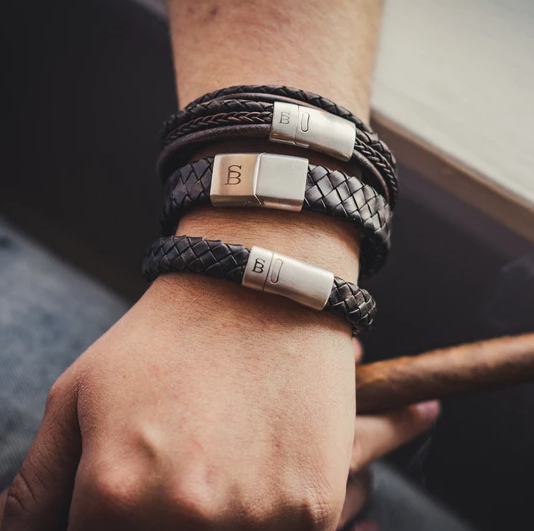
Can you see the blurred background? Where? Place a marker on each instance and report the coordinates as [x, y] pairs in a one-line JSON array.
[[85, 87]]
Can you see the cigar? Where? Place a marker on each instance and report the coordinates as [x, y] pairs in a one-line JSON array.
[[481, 366]]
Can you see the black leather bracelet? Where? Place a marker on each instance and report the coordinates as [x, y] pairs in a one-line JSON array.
[[320, 189], [278, 92], [263, 270], [257, 108], [279, 122]]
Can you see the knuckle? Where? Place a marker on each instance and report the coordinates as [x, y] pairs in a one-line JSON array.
[[113, 490], [57, 393], [15, 505], [194, 500], [20, 497], [257, 510], [317, 507]]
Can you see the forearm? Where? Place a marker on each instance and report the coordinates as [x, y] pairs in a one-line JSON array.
[[325, 47], [208, 406]]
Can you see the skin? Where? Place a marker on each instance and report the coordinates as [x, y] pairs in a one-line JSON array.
[[209, 406]]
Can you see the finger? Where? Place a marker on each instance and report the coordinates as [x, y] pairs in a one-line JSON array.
[[3, 496], [377, 435], [116, 493], [358, 350], [39, 496], [358, 489]]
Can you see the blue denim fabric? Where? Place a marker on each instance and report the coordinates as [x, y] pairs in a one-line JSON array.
[[49, 314]]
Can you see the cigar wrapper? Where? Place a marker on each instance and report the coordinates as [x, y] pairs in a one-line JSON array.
[[481, 366]]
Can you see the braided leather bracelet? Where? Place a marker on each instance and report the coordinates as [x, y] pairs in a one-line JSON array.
[[280, 122], [263, 270], [281, 182], [280, 92]]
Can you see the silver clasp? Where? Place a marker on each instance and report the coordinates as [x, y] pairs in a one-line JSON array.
[[313, 128], [260, 180], [300, 281]]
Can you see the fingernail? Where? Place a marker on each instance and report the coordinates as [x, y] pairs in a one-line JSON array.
[[428, 411]]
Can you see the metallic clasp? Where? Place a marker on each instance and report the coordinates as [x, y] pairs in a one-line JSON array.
[[313, 128], [260, 180], [299, 281]]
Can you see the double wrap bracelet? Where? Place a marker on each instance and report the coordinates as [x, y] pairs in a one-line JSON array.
[[263, 270], [364, 197], [289, 121], [284, 183]]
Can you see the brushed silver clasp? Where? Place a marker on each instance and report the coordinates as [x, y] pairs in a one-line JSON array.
[[259, 179], [300, 281], [313, 128]]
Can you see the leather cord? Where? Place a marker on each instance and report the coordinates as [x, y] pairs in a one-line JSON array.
[[240, 117], [328, 192], [289, 93], [259, 103], [221, 260]]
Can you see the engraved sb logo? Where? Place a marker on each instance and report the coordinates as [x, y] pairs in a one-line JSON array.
[[259, 265], [234, 175], [285, 118]]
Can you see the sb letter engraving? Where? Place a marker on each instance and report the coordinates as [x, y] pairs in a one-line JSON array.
[[285, 117], [234, 176], [259, 265]]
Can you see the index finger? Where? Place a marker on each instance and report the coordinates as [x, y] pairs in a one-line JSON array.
[[40, 494]]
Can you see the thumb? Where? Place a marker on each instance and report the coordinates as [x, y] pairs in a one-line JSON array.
[[40, 494], [377, 435]]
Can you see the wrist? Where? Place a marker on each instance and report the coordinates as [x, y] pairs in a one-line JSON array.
[[284, 44], [328, 243], [243, 326], [322, 240]]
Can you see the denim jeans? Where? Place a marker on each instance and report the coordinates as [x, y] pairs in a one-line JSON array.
[[49, 314]]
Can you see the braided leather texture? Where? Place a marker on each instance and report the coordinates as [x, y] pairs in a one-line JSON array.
[[209, 257], [352, 303], [372, 154], [327, 192], [287, 92], [221, 260], [199, 116], [259, 112]]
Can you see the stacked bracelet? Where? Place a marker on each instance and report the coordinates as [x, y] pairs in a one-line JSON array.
[[283, 93], [286, 183], [266, 271], [268, 180], [280, 119]]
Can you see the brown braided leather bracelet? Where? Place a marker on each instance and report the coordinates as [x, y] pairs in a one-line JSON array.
[[279, 93], [266, 271], [321, 190], [279, 122]]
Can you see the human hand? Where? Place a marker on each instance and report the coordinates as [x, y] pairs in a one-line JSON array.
[[150, 429], [377, 435]]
